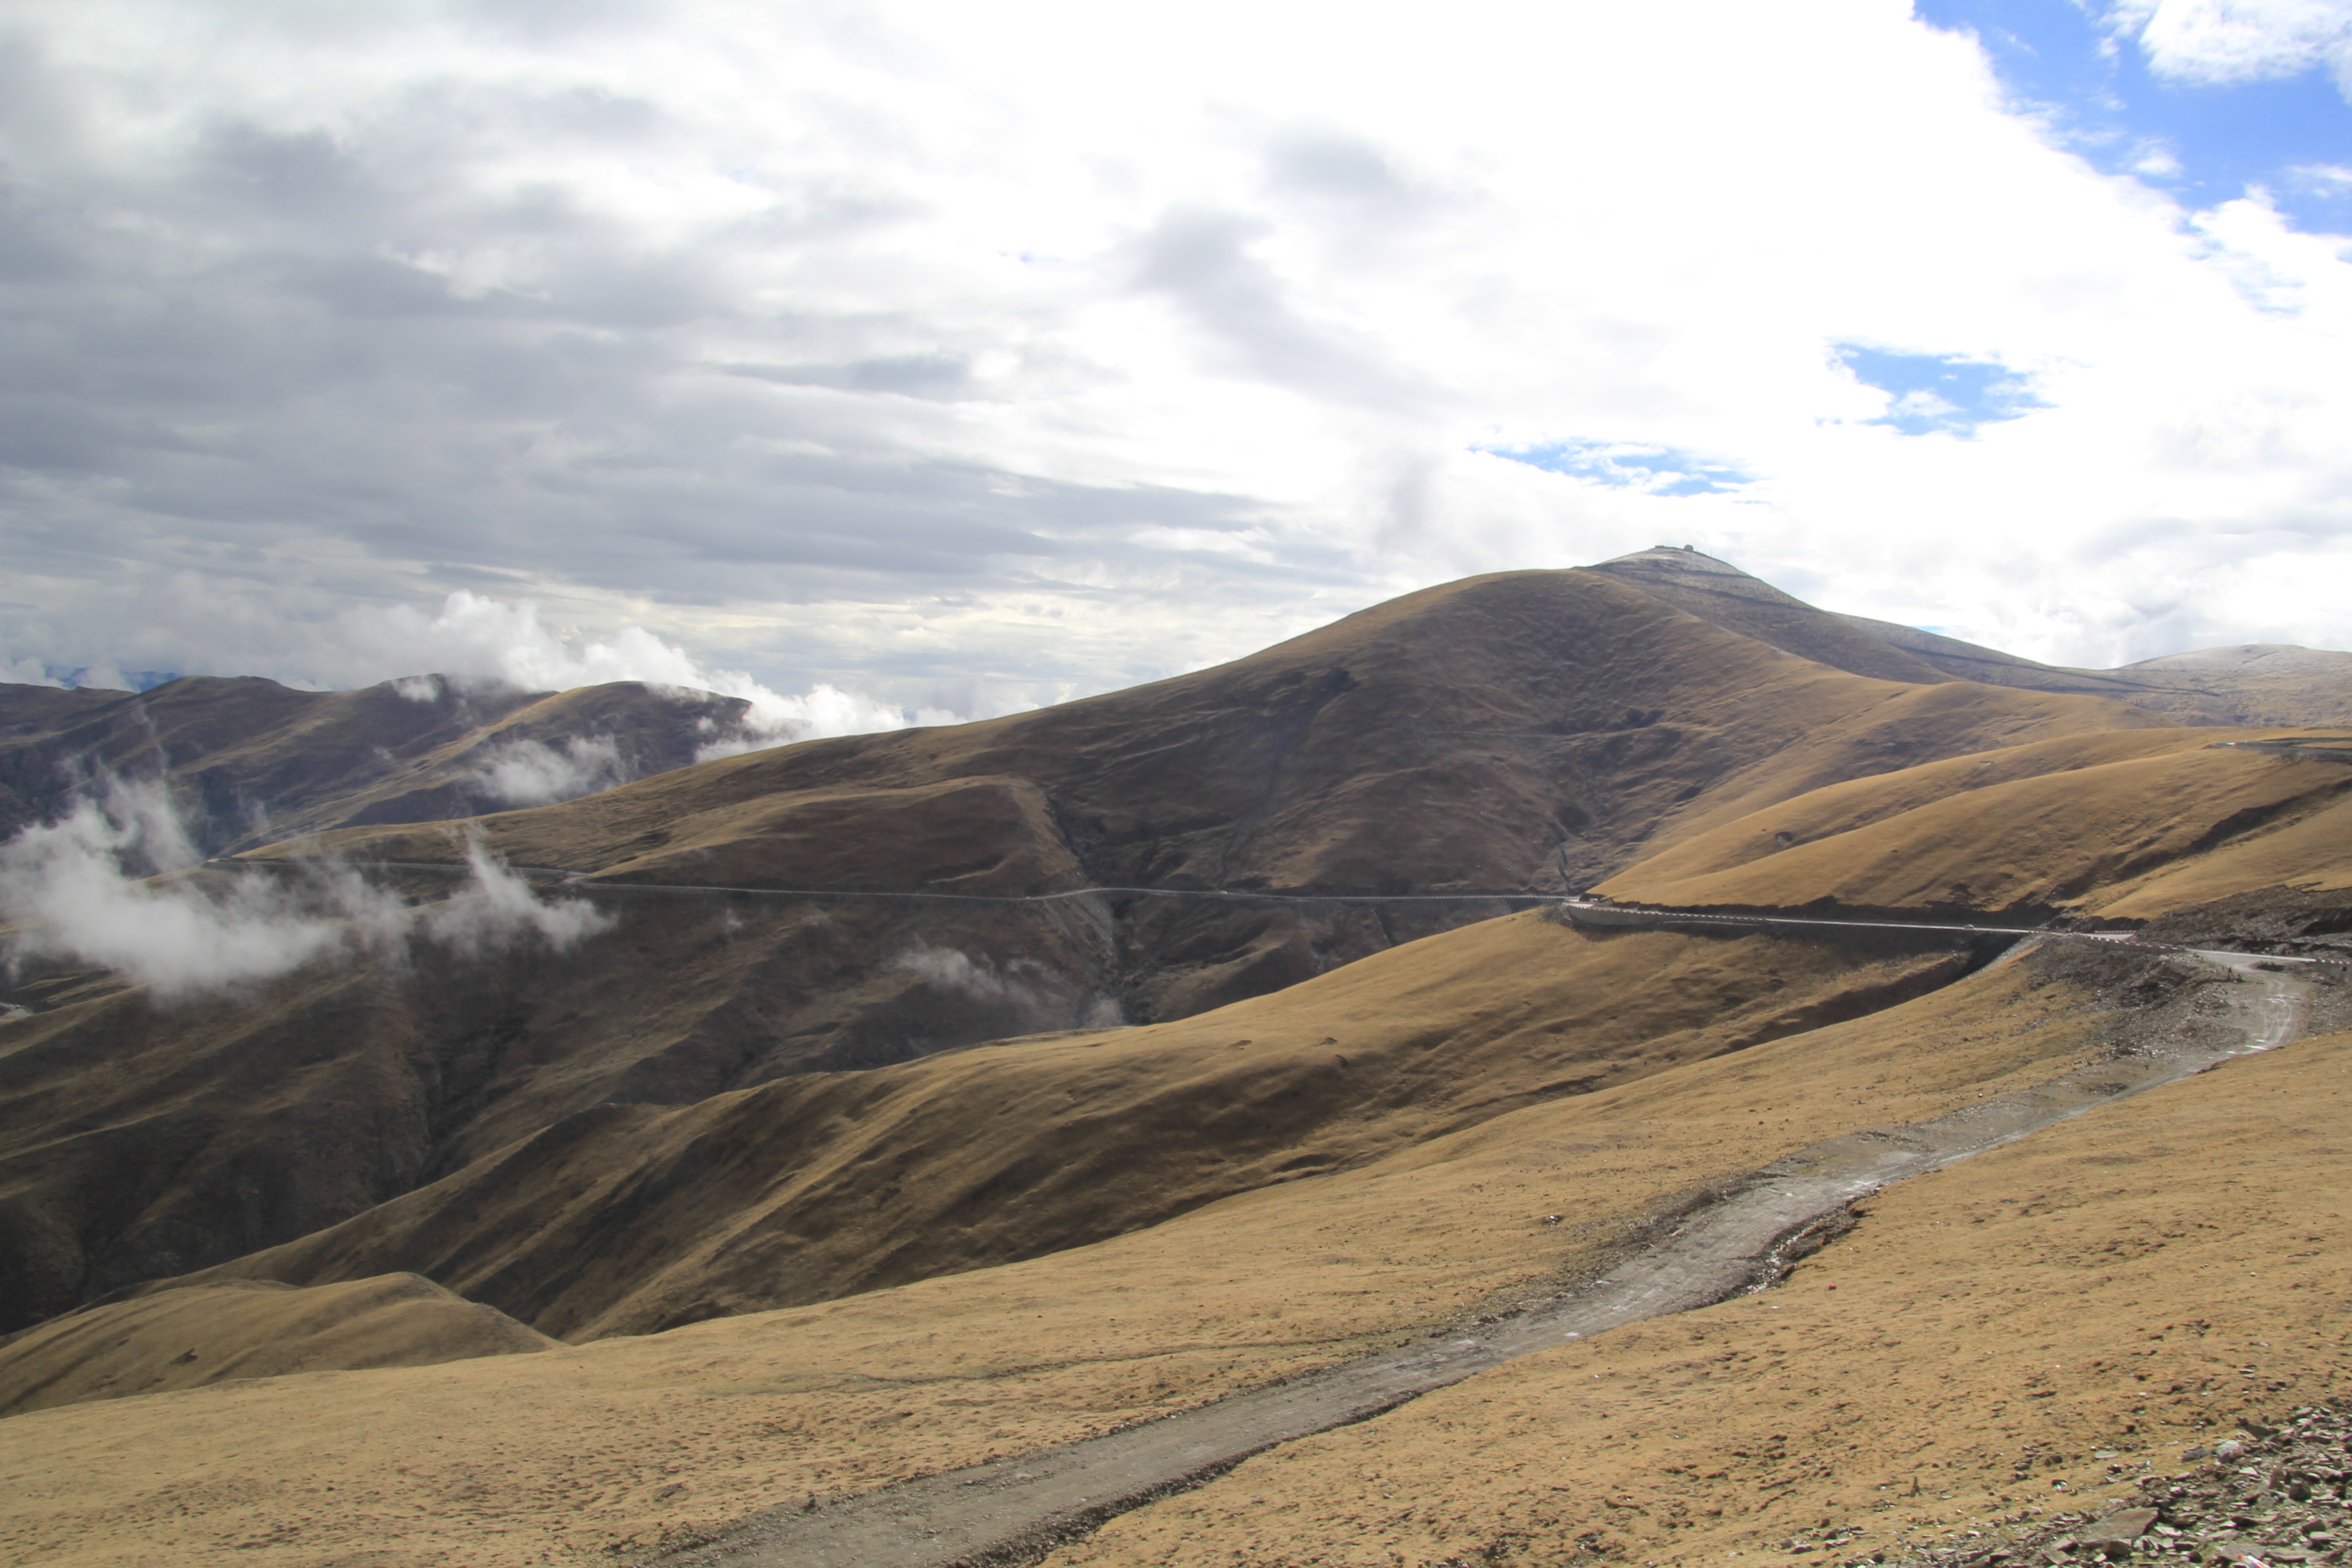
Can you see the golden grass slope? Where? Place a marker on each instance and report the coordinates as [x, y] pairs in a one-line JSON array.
[[1718, 592], [2264, 683], [142, 1139], [628, 1219], [986, 834], [620, 1445], [2019, 1334], [2126, 824], [247, 1328]]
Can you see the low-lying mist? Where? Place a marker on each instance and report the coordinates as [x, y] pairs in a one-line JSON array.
[[532, 773], [104, 884], [1021, 983]]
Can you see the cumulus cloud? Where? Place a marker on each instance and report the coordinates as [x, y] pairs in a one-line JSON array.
[[773, 720], [2226, 42], [505, 641], [498, 909], [93, 887]]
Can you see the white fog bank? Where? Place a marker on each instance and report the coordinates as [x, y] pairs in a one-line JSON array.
[[91, 888]]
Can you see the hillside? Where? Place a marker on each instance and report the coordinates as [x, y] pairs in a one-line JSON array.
[[2028, 1342], [633, 1219], [250, 761], [2128, 825], [1511, 733], [802, 1121], [2266, 684], [635, 1442], [1528, 730], [248, 1329], [139, 1139]]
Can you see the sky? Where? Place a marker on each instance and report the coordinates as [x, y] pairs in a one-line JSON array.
[[910, 360]]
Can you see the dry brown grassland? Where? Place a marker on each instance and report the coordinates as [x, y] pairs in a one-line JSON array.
[[641, 1217], [621, 1446], [2019, 1333], [2126, 824]]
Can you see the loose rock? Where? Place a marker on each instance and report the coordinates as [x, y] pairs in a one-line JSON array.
[[2274, 1499]]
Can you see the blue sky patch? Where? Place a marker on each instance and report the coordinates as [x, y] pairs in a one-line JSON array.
[[1948, 393], [2083, 70], [1626, 465]]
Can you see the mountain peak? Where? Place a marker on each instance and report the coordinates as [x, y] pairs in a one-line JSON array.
[[1718, 591], [1675, 558]]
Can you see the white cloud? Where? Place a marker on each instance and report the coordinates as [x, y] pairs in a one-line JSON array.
[[532, 773], [1015, 985], [26, 672], [2223, 42], [506, 642], [966, 357], [80, 887], [498, 909], [495, 640], [951, 969]]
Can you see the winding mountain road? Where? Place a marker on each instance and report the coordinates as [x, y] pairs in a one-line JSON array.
[[1579, 905], [1015, 1510]]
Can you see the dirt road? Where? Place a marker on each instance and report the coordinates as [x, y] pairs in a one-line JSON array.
[[1012, 1511]]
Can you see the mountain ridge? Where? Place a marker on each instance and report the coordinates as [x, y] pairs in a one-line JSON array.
[[2205, 686]]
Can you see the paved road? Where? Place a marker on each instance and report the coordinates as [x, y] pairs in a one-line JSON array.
[[1010, 1512], [1605, 916], [1598, 913], [586, 881]]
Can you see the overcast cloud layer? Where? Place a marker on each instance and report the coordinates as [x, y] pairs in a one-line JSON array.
[[964, 357]]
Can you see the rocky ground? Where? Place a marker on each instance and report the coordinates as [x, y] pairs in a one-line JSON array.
[[2266, 1495], [2297, 921]]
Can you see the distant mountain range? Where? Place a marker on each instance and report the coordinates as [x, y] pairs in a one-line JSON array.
[[251, 762]]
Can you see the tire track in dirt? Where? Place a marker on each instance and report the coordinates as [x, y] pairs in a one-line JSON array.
[[1016, 1510]]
